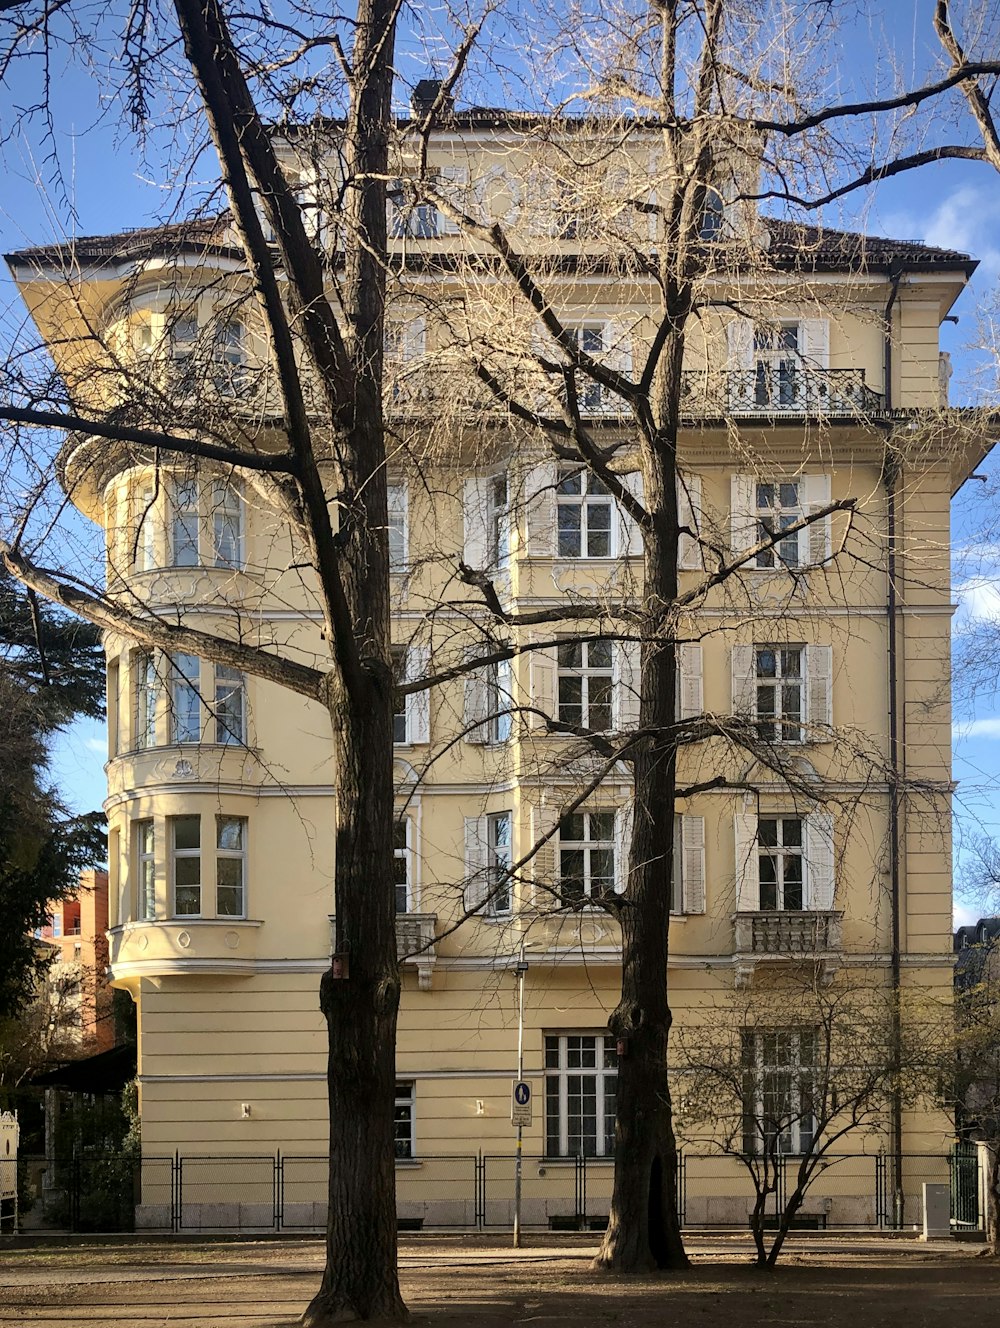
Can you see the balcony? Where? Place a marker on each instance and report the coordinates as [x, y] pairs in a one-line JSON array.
[[414, 943], [781, 937], [209, 946], [778, 390]]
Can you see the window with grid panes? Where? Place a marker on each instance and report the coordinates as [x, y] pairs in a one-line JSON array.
[[185, 835], [397, 527], [589, 339], [499, 522], [779, 1077], [776, 365], [184, 535], [145, 853], [401, 864], [584, 513], [397, 655], [780, 862], [403, 1132], [229, 707], [230, 866], [586, 856], [585, 682], [499, 842], [778, 506], [146, 688], [581, 1088], [780, 680], [185, 699], [501, 700], [227, 525], [144, 544]]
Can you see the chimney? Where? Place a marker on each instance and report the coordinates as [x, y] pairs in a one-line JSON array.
[[425, 94]]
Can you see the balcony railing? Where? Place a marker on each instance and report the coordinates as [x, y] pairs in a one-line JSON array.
[[779, 390], [779, 936], [414, 943]]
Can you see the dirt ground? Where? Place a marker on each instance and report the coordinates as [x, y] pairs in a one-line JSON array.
[[255, 1283]]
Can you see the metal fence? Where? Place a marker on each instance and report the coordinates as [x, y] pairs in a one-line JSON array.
[[475, 1192]]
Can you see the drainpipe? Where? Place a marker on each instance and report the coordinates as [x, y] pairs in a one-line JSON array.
[[892, 572]]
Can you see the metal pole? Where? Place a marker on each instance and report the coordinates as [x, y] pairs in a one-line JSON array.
[[522, 968]]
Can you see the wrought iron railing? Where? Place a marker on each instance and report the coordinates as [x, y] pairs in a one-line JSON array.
[[779, 390]]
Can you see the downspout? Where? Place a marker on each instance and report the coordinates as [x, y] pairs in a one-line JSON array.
[[892, 571]]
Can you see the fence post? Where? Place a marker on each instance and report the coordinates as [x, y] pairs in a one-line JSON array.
[[278, 1191], [681, 1187], [580, 1171], [176, 1192], [479, 1167]]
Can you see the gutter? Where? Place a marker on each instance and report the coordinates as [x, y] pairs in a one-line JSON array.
[[892, 616]]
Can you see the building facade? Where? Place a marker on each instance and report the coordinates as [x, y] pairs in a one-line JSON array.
[[834, 645]]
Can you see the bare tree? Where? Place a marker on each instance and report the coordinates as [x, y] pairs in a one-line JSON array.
[[698, 86]]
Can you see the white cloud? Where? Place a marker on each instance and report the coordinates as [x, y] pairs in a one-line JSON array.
[[967, 220], [965, 915], [977, 728], [98, 745], [978, 599]]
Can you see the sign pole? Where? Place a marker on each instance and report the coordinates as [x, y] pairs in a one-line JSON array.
[[522, 968]]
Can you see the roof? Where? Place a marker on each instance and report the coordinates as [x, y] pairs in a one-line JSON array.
[[792, 245], [104, 1072]]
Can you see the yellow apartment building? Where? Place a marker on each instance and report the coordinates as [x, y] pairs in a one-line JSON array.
[[814, 376]]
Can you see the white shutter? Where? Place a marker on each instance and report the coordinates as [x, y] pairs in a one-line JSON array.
[[618, 347], [540, 510], [692, 863], [816, 496], [747, 885], [740, 344], [814, 343], [542, 681], [418, 704], [744, 680], [819, 689], [742, 514], [543, 862], [453, 182], [624, 817], [630, 534], [414, 340], [819, 859], [477, 878], [478, 701], [476, 503], [689, 669], [628, 666], [689, 557]]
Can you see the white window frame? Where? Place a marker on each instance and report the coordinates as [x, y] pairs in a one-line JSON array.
[[230, 684], [587, 846], [238, 855], [498, 520], [227, 524], [398, 528], [776, 365], [590, 393], [185, 854], [403, 852], [185, 525], [185, 700], [788, 1131], [144, 832], [229, 357], [500, 840], [786, 552], [183, 336], [786, 726], [559, 1049], [398, 655], [501, 687], [590, 677], [145, 525], [587, 500], [408, 220], [145, 688], [782, 854], [405, 1139]]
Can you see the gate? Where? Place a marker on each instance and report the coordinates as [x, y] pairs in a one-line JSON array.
[[965, 1212]]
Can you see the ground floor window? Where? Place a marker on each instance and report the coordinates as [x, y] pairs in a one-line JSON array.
[[403, 1122], [779, 1071], [581, 1089]]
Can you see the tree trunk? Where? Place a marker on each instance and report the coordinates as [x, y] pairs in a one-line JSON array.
[[993, 1198], [359, 1281], [644, 1226]]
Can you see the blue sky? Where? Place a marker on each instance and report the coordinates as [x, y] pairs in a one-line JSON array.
[[957, 204]]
